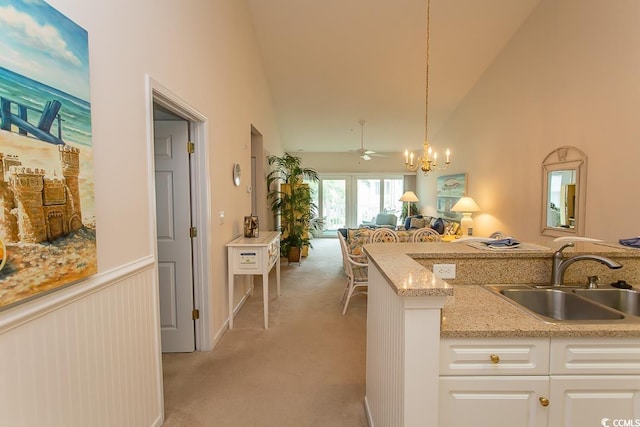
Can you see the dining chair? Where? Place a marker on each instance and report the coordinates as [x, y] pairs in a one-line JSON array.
[[384, 235], [357, 272], [426, 234]]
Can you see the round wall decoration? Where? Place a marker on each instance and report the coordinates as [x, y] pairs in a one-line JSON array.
[[236, 174]]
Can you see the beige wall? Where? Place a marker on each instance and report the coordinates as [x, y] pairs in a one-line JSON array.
[[205, 52], [568, 77]]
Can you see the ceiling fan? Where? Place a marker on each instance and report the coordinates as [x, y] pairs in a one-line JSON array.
[[363, 153]]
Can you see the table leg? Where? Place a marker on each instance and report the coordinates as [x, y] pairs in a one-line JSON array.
[[231, 285], [278, 275], [265, 298]]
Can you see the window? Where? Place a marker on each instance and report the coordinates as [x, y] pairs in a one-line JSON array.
[[348, 201]]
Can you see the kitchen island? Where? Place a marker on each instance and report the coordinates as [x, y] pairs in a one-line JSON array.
[[417, 324]]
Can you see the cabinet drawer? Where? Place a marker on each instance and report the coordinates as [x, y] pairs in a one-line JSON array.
[[595, 356], [492, 356]]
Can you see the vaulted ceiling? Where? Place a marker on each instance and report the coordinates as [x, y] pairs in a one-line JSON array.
[[332, 63]]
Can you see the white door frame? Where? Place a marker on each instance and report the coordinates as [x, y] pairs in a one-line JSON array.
[[201, 201]]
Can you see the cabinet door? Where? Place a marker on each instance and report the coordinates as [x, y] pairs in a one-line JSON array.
[[588, 400], [493, 401]]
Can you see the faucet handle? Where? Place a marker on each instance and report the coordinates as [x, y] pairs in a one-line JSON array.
[[592, 282]]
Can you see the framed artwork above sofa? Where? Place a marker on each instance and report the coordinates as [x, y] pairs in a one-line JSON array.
[[450, 188]]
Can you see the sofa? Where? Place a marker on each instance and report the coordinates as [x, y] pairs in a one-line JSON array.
[[356, 238], [446, 227], [382, 220]]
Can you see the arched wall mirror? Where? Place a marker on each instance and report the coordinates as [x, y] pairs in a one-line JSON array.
[[564, 189]]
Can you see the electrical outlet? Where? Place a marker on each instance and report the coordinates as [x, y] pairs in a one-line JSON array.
[[445, 271]]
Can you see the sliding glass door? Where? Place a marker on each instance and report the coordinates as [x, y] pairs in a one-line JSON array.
[[333, 204], [349, 200], [378, 195], [369, 202]]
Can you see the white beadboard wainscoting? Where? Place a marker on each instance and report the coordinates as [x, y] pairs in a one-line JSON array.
[[86, 355], [403, 341]]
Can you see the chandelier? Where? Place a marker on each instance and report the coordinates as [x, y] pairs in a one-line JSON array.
[[428, 161]]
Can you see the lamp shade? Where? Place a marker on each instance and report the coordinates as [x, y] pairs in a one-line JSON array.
[[409, 196], [465, 204]]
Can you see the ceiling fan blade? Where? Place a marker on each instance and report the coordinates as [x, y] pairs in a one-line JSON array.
[[365, 157], [369, 151]]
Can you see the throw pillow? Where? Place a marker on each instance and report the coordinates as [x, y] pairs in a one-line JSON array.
[[438, 225], [452, 228], [407, 222], [418, 223]]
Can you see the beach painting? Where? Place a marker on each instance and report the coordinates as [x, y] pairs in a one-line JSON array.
[[450, 189], [47, 220]]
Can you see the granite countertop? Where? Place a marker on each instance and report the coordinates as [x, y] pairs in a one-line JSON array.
[[476, 312], [473, 311]]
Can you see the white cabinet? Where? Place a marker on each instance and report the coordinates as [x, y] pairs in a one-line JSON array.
[[593, 379], [494, 382], [585, 400], [493, 401], [557, 382]]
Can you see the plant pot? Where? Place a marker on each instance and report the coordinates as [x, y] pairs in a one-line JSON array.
[[295, 254]]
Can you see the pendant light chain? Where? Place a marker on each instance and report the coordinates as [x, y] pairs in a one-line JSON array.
[[426, 97], [428, 161]]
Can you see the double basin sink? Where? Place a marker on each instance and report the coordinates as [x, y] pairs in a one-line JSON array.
[[564, 304]]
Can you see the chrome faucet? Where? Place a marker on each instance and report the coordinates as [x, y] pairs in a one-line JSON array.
[[560, 264]]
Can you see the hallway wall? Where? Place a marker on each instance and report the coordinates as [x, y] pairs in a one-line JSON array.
[[71, 344]]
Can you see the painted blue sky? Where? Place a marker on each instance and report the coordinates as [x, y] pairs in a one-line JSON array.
[[39, 42]]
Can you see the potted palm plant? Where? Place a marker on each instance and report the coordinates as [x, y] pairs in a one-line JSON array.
[[292, 202]]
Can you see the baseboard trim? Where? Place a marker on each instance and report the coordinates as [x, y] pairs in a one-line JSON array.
[[368, 412]]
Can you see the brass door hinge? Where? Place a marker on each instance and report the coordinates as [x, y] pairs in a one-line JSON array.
[[193, 232], [195, 314], [191, 147]]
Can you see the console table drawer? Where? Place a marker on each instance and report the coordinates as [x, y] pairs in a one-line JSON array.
[[527, 356]]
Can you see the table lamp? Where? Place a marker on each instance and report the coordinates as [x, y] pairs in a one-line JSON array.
[[466, 205], [409, 197]]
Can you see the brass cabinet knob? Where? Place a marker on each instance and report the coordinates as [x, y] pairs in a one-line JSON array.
[[494, 358], [544, 401]]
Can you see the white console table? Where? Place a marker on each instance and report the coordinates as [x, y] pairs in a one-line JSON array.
[[253, 256]]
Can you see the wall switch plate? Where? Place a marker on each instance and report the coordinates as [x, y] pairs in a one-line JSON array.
[[445, 271], [221, 217]]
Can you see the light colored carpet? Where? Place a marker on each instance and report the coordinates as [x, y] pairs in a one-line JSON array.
[[308, 369]]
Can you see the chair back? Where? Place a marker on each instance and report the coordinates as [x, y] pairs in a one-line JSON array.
[[356, 270], [426, 234], [384, 235]]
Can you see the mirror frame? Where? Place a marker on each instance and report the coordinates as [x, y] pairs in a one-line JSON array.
[[565, 158]]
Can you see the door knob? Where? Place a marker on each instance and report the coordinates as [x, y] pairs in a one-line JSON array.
[[544, 401]]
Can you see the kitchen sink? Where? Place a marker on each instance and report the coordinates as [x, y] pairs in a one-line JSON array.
[[624, 300], [554, 304], [559, 305]]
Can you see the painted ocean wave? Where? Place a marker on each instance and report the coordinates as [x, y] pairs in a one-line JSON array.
[[75, 113]]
